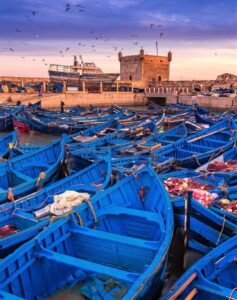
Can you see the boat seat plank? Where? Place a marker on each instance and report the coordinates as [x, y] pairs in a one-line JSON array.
[[118, 210], [116, 238], [20, 175], [87, 265], [38, 164]]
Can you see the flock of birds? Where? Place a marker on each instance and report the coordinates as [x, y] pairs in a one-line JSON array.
[[81, 9]]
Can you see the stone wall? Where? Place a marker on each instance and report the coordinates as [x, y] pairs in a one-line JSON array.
[[79, 98], [221, 103], [23, 79], [155, 67], [131, 68], [144, 68], [187, 86]]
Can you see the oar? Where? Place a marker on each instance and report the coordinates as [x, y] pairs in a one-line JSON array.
[[206, 135]]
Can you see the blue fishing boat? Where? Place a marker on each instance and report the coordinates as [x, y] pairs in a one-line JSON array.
[[7, 141], [172, 135], [6, 121], [213, 277], [208, 229], [118, 248], [70, 125], [102, 129], [226, 204], [209, 119], [200, 110], [28, 215], [201, 147], [48, 125], [27, 173]]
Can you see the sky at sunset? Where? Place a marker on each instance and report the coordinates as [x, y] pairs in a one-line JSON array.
[[202, 35]]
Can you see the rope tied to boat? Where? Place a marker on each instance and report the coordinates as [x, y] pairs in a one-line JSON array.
[[232, 292], [222, 229], [65, 215], [141, 193], [196, 160], [224, 190], [42, 175], [91, 208], [10, 195], [215, 154]]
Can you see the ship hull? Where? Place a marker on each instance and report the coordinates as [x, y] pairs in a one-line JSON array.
[[56, 76]]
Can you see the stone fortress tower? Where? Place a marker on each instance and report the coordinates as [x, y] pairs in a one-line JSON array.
[[144, 68]]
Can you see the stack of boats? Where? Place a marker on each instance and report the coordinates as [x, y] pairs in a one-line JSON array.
[[93, 214]]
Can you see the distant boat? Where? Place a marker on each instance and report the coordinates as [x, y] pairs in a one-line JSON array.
[[7, 141], [27, 173], [77, 73], [205, 145]]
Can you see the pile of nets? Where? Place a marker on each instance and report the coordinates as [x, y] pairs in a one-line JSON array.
[[227, 205], [228, 166], [179, 186], [66, 201]]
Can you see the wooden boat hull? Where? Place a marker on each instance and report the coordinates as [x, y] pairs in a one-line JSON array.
[[21, 213], [146, 245], [27, 173], [213, 277], [6, 142], [196, 150]]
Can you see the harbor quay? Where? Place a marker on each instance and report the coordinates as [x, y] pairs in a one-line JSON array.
[[143, 77]]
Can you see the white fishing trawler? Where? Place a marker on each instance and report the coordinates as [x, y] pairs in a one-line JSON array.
[[80, 72]]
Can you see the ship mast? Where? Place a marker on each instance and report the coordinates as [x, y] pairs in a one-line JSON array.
[[76, 66]]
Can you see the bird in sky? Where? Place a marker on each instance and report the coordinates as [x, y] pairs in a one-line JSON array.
[[35, 12], [17, 30], [67, 49], [161, 34], [12, 50], [68, 7]]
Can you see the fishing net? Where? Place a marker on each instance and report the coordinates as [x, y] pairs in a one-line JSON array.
[[179, 186], [228, 166], [227, 205], [66, 201]]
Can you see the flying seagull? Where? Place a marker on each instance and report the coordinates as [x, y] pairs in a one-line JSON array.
[[68, 7]]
